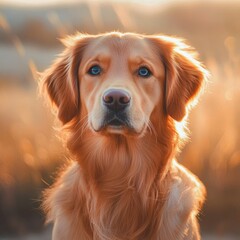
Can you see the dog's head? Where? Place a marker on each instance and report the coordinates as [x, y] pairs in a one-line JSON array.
[[119, 82]]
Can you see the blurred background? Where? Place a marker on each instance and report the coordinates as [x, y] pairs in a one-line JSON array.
[[30, 152]]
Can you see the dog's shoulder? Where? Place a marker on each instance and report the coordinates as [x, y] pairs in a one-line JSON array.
[[187, 190], [191, 190], [185, 197], [60, 197]]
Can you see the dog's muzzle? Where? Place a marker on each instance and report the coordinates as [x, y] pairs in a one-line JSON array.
[[116, 102]]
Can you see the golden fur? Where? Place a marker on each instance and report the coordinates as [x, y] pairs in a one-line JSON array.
[[124, 182]]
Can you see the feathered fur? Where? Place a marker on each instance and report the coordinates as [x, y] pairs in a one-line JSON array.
[[125, 186]]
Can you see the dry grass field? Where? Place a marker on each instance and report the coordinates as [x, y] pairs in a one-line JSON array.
[[30, 152]]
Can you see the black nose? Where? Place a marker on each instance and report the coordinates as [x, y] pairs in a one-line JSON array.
[[116, 99]]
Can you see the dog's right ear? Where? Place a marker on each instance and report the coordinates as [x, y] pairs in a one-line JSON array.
[[61, 80]]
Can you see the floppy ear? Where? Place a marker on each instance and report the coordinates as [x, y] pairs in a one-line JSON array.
[[61, 79], [184, 75]]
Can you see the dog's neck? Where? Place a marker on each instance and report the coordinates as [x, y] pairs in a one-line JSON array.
[[124, 179], [135, 161]]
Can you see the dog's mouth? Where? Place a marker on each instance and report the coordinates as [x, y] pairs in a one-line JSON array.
[[115, 123]]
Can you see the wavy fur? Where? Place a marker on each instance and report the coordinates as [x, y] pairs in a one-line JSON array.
[[125, 186]]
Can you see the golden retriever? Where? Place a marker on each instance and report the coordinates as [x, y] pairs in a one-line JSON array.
[[120, 98]]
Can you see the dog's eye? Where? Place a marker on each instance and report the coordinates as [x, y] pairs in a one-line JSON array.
[[144, 72], [95, 70]]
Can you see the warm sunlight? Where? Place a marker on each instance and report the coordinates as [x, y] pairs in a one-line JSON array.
[[30, 149]]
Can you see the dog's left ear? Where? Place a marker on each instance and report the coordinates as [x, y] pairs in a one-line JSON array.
[[184, 75], [61, 82]]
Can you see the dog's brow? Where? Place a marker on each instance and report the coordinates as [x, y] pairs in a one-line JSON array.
[[97, 58], [100, 57], [141, 59]]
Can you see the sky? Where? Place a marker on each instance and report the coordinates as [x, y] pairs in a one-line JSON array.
[[53, 2]]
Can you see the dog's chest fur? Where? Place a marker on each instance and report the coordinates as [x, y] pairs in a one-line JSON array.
[[127, 214]]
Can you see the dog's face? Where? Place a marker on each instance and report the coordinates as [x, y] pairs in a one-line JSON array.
[[121, 83], [118, 81]]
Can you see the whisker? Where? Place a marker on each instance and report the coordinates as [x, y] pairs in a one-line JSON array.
[[151, 128], [84, 122], [84, 127], [81, 120], [148, 126], [77, 133]]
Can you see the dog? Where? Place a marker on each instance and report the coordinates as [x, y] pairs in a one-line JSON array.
[[120, 98]]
